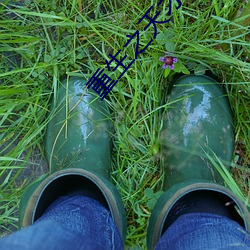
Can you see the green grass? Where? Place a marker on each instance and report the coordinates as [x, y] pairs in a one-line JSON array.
[[55, 39]]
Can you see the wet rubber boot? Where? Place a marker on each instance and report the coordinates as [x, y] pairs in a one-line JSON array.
[[78, 149], [197, 125]]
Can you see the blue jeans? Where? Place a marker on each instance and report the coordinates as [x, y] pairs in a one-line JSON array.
[[204, 231], [80, 222], [76, 222]]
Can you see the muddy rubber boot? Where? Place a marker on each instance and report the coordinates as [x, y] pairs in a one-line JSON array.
[[78, 149], [197, 125]]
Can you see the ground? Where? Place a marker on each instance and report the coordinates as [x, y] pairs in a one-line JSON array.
[[44, 41]]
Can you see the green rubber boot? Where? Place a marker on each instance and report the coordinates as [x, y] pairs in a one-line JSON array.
[[197, 123], [78, 149]]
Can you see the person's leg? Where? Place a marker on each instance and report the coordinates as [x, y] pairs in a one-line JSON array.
[[204, 231], [197, 137], [71, 222], [78, 149]]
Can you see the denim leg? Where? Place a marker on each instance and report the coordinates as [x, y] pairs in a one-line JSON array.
[[204, 231], [76, 222]]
